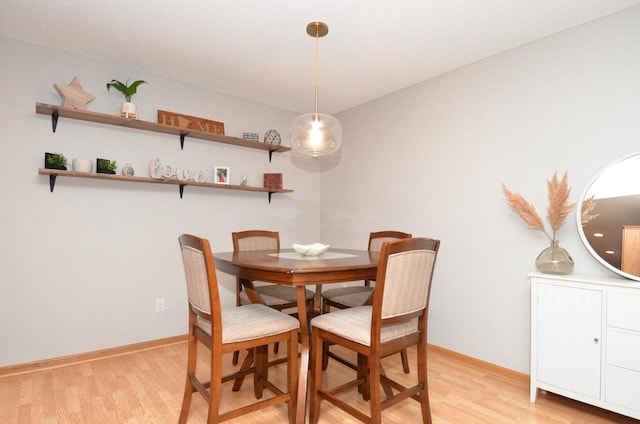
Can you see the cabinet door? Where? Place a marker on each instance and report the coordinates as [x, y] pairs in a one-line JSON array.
[[569, 326]]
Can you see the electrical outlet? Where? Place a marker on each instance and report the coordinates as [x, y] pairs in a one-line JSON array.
[[160, 305]]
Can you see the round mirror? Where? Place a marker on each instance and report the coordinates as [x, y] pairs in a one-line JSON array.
[[609, 217]]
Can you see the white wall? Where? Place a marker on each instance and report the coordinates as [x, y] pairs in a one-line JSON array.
[[81, 267], [430, 160]]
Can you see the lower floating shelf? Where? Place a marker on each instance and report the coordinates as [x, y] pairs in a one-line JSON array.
[[53, 173]]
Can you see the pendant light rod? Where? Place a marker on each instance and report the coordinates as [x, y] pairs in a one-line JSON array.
[[317, 30], [316, 134]]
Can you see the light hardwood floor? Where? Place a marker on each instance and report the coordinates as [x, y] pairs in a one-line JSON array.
[[146, 387]]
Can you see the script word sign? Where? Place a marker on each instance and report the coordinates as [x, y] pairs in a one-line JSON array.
[[158, 171]]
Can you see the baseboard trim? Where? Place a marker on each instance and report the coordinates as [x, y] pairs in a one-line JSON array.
[[487, 366], [64, 361], [154, 344]]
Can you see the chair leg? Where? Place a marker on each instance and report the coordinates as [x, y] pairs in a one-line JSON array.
[[236, 354], [215, 388], [388, 392], [374, 390], [315, 377], [325, 354], [192, 357], [261, 355], [405, 361], [422, 379], [186, 400], [292, 373], [237, 385], [325, 350], [362, 372]]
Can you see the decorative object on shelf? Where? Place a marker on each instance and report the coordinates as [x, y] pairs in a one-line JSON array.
[[315, 249], [272, 137], [82, 165], [56, 112], [251, 136], [187, 122], [554, 259], [244, 182], [167, 172], [127, 170], [316, 134], [53, 174], [105, 166], [127, 109], [73, 95], [221, 174], [55, 161], [273, 181], [155, 166]]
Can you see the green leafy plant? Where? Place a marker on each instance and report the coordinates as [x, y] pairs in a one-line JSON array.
[[107, 165], [125, 88], [57, 159]]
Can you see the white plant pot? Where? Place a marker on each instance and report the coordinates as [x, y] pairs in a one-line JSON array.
[[129, 110], [82, 165]]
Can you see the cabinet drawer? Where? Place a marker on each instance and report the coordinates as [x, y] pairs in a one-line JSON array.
[[622, 387], [623, 349], [623, 311]]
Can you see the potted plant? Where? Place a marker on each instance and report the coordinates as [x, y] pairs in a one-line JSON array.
[[127, 109], [55, 161], [105, 166]]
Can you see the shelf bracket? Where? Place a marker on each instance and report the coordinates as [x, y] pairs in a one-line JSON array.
[[54, 121], [52, 181], [182, 189], [270, 193], [182, 136], [270, 154]]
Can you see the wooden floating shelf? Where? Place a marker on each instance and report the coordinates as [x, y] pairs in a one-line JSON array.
[[53, 173], [102, 118]]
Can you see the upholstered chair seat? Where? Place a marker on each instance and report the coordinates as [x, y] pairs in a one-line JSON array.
[[395, 320], [251, 327]]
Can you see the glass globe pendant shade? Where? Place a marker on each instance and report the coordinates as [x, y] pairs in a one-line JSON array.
[[316, 134]]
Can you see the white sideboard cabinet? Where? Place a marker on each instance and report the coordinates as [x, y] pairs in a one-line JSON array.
[[585, 340]]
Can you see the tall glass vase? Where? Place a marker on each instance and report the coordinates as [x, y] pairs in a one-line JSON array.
[[554, 260]]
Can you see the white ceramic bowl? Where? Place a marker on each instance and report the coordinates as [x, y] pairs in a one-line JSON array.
[[314, 249]]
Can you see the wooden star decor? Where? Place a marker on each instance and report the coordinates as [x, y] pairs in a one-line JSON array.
[[73, 95]]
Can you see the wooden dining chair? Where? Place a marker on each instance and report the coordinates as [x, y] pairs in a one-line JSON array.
[[396, 319], [221, 331], [351, 296], [276, 296]]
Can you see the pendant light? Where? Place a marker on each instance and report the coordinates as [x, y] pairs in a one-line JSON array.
[[316, 134]]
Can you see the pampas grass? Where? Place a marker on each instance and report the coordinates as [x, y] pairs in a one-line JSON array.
[[587, 208], [559, 205]]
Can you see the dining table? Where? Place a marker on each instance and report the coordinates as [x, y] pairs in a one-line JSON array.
[[287, 267]]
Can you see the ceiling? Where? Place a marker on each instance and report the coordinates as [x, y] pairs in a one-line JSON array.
[[259, 50]]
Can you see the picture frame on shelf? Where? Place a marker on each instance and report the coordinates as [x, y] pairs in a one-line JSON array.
[[221, 174], [273, 181]]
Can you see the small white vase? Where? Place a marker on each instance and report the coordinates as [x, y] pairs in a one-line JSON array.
[[82, 165], [129, 110]]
